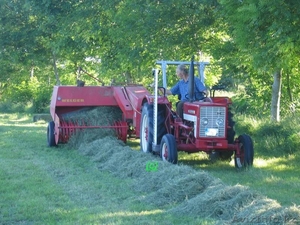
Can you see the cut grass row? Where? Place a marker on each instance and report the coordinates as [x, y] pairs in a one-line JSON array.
[[275, 172], [59, 186], [276, 178]]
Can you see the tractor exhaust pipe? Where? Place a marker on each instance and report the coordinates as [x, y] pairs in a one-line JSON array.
[[191, 80]]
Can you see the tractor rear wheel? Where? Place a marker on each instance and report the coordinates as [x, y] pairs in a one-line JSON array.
[[168, 149], [146, 126], [245, 159], [50, 134]]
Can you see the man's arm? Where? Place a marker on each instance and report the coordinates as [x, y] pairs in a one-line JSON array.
[[200, 86], [174, 90], [168, 92]]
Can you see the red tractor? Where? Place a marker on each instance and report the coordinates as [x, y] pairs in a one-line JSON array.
[[206, 126]]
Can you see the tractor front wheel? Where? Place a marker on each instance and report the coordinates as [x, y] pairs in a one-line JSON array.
[[50, 134], [168, 149], [245, 158]]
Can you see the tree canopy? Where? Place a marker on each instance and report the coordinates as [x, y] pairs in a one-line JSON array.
[[252, 43]]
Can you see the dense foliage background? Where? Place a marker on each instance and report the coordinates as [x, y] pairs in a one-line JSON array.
[[252, 46], [253, 50]]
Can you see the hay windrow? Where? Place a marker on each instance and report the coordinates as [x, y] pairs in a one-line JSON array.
[[180, 189], [217, 201], [267, 211], [93, 149]]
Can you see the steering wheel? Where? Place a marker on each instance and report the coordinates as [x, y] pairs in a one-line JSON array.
[[200, 95], [162, 89]]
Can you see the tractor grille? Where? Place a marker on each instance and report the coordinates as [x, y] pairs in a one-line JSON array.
[[212, 121]]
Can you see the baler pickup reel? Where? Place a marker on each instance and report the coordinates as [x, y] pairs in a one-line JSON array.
[[71, 127]]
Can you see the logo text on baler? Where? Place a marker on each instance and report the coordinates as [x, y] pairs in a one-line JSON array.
[[73, 100]]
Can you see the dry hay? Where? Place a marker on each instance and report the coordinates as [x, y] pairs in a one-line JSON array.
[[104, 115], [173, 184], [180, 189], [185, 190], [267, 211], [217, 201]]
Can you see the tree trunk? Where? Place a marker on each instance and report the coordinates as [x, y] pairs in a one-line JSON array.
[[289, 87], [276, 91], [55, 68], [31, 72]]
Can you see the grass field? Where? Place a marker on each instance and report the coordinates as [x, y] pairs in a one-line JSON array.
[[41, 185], [276, 178]]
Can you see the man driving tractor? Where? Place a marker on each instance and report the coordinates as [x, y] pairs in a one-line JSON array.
[[181, 88]]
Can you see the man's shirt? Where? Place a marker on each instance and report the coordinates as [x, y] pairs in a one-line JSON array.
[[182, 88]]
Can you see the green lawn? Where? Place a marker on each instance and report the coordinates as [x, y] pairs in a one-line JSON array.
[[276, 178], [41, 185]]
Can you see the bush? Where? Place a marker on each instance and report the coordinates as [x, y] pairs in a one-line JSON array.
[[246, 124], [278, 138], [9, 107], [250, 105], [41, 100], [28, 96]]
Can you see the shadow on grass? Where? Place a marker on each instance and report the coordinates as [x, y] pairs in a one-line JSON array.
[[201, 161], [149, 217]]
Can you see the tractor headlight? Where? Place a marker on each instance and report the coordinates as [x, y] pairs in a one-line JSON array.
[[204, 121], [219, 122]]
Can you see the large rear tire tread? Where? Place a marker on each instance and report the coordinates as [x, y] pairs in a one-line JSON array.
[[226, 156], [146, 126], [161, 118]]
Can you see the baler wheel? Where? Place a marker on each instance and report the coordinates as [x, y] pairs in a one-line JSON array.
[[168, 149], [50, 134], [245, 159]]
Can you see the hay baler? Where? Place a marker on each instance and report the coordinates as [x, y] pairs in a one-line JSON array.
[[69, 100]]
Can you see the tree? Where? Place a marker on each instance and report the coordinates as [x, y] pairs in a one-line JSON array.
[[141, 32], [267, 31]]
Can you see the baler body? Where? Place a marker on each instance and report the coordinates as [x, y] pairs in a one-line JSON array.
[[69, 99]]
